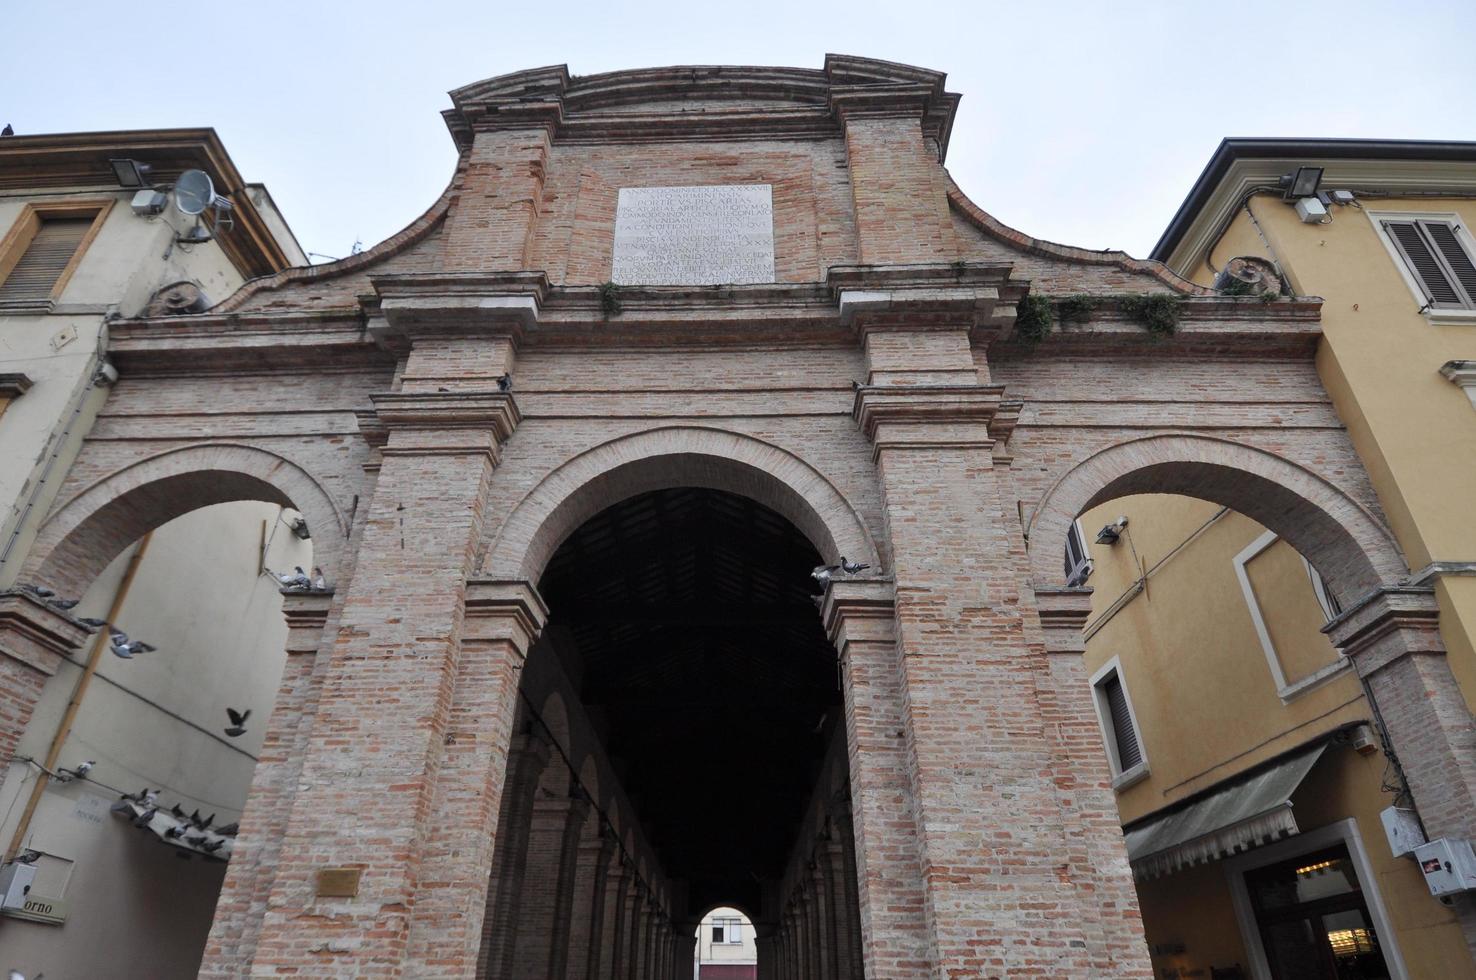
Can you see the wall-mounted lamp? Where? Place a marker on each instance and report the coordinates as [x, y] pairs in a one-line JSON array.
[[1111, 532], [130, 173], [1302, 182]]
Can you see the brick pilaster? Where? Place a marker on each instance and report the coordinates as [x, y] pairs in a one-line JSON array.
[[255, 857], [603, 854], [989, 819], [377, 748], [1393, 638], [33, 640]]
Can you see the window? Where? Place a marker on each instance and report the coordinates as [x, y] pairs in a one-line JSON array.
[[1306, 656], [1078, 559], [1435, 254], [1119, 726], [727, 932], [42, 250]]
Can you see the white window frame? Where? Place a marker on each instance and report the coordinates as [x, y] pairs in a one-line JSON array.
[[1087, 563], [1462, 234], [1121, 779], [1343, 832], [1286, 690]]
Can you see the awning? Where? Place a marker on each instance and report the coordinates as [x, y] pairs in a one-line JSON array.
[[1249, 812]]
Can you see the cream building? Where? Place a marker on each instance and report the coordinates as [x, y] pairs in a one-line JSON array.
[[108, 898], [1245, 752], [726, 947]]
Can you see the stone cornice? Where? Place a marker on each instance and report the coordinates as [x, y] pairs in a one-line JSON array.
[[1064, 612], [455, 304], [714, 102], [976, 296], [36, 634]]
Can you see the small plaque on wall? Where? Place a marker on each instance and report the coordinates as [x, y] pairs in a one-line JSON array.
[[694, 236], [338, 882]]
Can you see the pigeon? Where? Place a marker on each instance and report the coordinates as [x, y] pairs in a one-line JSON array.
[[298, 581], [177, 811], [211, 846], [320, 581], [40, 591], [126, 648], [144, 818], [238, 726], [824, 573], [852, 567], [176, 831], [195, 840], [9, 130], [504, 383], [96, 624], [229, 830], [28, 857], [63, 604], [205, 824], [195, 819]]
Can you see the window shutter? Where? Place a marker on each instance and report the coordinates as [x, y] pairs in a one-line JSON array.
[[1126, 739], [1456, 259], [1424, 264], [37, 271]]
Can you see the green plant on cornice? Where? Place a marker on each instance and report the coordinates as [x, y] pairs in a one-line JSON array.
[[1237, 287], [1033, 318], [1270, 296], [960, 268], [1158, 312], [1075, 309], [610, 299]]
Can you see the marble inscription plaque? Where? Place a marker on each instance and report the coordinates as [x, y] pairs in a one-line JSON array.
[[694, 236]]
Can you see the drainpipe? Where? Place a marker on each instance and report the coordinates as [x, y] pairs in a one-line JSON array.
[[64, 727]]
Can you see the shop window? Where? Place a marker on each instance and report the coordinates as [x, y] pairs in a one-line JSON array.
[[1119, 726], [1313, 920], [1078, 559]]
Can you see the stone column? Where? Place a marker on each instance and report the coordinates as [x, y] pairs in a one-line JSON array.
[[847, 922], [621, 883], [569, 936], [385, 755], [527, 756], [601, 914], [824, 933], [542, 909], [982, 757], [34, 638], [255, 856], [1393, 638], [858, 617], [635, 924]]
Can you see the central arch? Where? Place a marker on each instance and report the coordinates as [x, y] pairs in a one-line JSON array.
[[660, 459]]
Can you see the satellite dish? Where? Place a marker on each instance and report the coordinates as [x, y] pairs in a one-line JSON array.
[[193, 192]]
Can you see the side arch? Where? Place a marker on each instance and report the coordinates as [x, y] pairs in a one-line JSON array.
[[1350, 547], [659, 459], [93, 527]]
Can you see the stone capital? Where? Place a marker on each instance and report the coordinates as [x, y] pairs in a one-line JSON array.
[[412, 307], [1064, 612], [925, 297], [859, 610], [929, 416], [35, 634], [1387, 624], [306, 613], [506, 610]]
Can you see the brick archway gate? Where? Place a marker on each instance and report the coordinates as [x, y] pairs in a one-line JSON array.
[[873, 394]]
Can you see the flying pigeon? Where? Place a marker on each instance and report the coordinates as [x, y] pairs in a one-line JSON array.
[[238, 727], [504, 383], [126, 648], [297, 581], [320, 581]]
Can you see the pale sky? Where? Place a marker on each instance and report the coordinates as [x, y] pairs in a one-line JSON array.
[[1083, 123]]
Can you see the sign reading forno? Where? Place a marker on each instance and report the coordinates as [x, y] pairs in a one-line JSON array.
[[694, 236]]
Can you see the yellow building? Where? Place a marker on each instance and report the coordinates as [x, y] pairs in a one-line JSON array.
[[1250, 775]]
